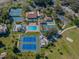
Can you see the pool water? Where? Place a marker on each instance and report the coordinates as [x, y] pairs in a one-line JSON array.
[[32, 28]]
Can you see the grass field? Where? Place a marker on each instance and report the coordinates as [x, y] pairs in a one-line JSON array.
[[63, 50], [69, 50]]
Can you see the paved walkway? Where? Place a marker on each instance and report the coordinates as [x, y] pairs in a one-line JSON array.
[[68, 29]]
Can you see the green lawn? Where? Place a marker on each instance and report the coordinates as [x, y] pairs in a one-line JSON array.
[[69, 50], [9, 42]]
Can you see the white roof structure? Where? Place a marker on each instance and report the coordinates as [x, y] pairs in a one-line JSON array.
[[18, 27], [43, 40], [3, 28], [3, 55]]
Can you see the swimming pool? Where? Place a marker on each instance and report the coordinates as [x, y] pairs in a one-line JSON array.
[[32, 28]]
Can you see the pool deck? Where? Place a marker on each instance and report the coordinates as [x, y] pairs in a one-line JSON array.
[[35, 30]]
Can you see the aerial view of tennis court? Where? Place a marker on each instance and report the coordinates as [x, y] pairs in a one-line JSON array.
[[39, 29], [29, 43]]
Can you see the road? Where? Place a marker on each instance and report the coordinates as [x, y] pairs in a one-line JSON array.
[[4, 2]]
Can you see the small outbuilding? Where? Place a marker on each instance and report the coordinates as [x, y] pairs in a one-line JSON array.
[[3, 29]]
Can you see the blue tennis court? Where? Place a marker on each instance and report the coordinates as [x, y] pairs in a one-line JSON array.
[[15, 12], [29, 39], [18, 19], [29, 46], [29, 43]]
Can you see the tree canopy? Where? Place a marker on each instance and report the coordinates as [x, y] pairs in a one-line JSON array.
[[43, 2], [74, 4]]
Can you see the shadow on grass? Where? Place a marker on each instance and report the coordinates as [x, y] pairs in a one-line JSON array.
[[6, 34], [54, 37], [46, 57], [38, 56], [1, 44], [16, 50]]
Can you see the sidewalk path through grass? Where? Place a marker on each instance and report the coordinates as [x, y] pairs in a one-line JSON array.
[[68, 29]]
